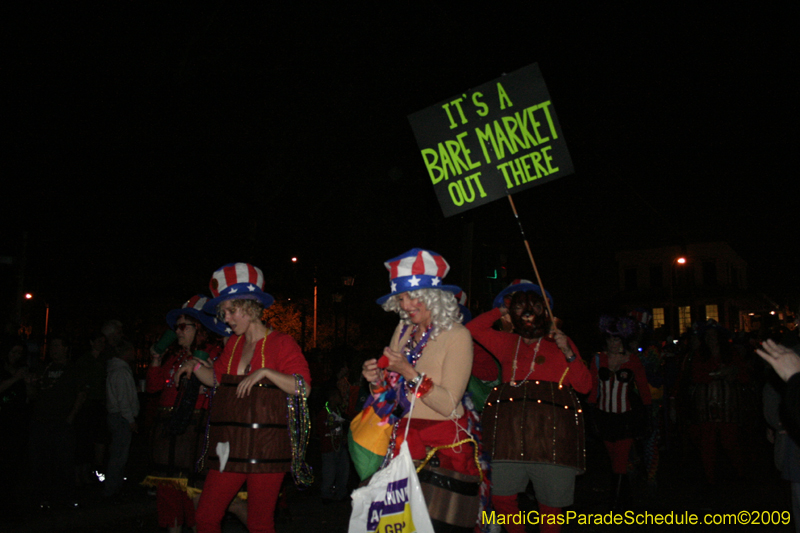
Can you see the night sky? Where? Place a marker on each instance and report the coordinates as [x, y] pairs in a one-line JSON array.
[[148, 144]]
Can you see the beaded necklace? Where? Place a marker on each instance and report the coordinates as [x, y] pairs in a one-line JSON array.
[[514, 382], [412, 352], [235, 344], [180, 358], [299, 422]]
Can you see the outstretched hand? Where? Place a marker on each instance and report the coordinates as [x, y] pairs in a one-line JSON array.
[[784, 360]]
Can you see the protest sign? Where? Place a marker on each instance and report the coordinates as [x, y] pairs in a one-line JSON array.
[[491, 141]]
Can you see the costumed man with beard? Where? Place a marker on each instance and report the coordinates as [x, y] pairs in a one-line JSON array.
[[533, 421]]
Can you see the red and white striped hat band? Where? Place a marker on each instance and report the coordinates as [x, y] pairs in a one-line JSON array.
[[461, 298], [417, 269], [195, 302], [237, 280], [193, 307]]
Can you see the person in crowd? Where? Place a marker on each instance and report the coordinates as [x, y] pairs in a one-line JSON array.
[[13, 419], [786, 362], [257, 370], [541, 368], [716, 397], [787, 449], [123, 407], [56, 396], [332, 431], [90, 424], [621, 394], [175, 440], [430, 356], [112, 330]]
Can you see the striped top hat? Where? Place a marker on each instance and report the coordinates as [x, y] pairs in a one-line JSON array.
[[417, 269], [466, 314], [237, 281], [519, 285], [194, 308]]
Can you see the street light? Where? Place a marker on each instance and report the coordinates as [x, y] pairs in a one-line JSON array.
[[29, 296], [680, 260], [294, 260]]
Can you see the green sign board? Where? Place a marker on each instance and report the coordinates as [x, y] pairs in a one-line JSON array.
[[498, 139]]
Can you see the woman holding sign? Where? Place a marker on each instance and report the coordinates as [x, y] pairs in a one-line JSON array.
[[430, 356]]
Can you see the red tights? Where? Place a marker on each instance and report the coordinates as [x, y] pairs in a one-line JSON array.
[[220, 489], [619, 452], [175, 508]]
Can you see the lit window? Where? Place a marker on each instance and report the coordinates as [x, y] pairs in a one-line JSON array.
[[712, 312], [685, 318], [658, 317]]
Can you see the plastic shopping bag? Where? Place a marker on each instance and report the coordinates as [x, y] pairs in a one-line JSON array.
[[392, 501], [368, 440]]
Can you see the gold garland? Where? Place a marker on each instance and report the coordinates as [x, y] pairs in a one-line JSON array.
[[445, 446], [560, 381], [235, 344]]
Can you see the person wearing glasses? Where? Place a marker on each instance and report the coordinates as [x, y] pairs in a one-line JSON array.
[[176, 435]]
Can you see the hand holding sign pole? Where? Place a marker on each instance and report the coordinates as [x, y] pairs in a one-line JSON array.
[[492, 141]]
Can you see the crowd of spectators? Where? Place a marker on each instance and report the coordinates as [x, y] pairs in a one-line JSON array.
[[68, 414]]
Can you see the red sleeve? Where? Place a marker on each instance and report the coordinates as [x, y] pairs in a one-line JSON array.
[[483, 364], [579, 376], [481, 330], [156, 378], [288, 358]]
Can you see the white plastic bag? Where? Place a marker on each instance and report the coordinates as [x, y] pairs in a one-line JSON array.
[[392, 501]]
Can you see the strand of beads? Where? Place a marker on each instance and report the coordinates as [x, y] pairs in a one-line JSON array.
[[299, 421]]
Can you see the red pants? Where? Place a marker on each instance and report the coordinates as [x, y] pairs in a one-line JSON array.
[[221, 487], [175, 508], [619, 452], [433, 433]]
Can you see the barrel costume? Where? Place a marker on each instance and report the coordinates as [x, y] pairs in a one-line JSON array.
[[175, 453], [174, 457], [533, 421], [257, 427], [250, 438]]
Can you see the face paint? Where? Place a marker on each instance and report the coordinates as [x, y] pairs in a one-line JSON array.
[[528, 315]]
